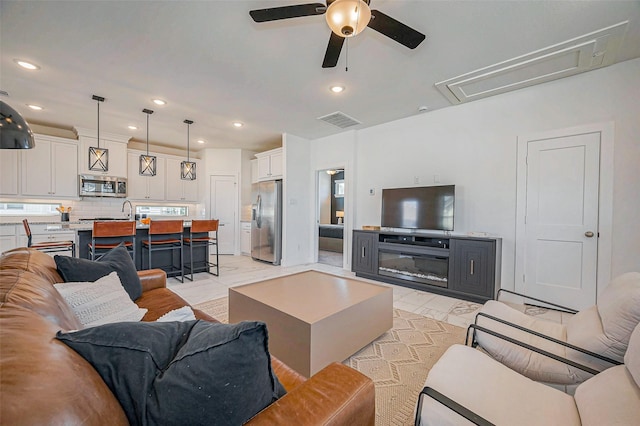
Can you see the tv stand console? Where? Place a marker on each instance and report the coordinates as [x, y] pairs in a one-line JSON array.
[[458, 266]]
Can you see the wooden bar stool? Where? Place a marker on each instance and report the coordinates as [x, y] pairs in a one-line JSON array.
[[108, 235], [165, 235], [49, 247], [199, 227]]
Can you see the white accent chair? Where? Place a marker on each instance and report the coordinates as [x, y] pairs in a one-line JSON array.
[[466, 386], [592, 340]]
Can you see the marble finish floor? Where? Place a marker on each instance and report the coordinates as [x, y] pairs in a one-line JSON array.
[[239, 270]]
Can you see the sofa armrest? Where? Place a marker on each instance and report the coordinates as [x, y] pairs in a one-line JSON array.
[[152, 278], [336, 395]]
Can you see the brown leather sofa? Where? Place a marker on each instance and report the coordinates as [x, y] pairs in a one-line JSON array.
[[42, 381]]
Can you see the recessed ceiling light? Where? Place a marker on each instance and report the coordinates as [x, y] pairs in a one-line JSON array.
[[238, 124], [159, 102], [26, 65], [35, 107], [337, 89], [200, 141], [133, 127]]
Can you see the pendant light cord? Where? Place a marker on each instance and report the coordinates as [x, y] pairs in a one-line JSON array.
[[147, 135], [98, 124], [346, 63]]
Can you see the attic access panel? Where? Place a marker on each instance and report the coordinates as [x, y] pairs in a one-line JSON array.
[[578, 55]]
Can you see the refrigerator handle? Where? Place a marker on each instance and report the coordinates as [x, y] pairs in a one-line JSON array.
[[259, 212]]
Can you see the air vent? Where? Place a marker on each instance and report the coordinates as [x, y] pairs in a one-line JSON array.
[[339, 119], [581, 54]]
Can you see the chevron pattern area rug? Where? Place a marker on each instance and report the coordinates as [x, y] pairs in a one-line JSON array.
[[398, 361]]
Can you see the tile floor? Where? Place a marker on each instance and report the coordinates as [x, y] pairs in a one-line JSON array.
[[238, 270]]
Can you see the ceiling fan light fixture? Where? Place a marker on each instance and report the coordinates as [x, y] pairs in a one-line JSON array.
[[347, 18], [14, 130]]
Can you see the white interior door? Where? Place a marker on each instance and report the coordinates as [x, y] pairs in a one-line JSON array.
[[224, 207], [557, 237]]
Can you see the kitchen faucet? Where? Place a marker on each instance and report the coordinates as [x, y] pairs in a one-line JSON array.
[[130, 208]]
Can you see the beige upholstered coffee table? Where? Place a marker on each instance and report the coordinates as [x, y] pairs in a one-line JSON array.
[[314, 318]]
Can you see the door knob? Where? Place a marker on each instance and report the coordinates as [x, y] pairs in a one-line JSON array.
[[588, 234]]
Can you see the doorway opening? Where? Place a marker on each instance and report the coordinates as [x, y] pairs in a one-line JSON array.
[[331, 216]]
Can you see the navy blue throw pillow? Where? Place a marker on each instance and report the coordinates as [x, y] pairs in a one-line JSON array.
[[74, 269], [182, 373]]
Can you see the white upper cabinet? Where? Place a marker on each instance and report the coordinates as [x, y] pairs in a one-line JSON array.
[[147, 188], [50, 169], [9, 172], [116, 144], [178, 189], [269, 165]]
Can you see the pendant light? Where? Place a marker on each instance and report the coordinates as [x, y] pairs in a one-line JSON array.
[[188, 168], [14, 130], [147, 162], [98, 157]]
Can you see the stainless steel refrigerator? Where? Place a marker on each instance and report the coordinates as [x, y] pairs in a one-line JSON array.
[[266, 221]]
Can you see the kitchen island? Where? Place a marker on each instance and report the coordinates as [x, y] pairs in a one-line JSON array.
[[161, 259]]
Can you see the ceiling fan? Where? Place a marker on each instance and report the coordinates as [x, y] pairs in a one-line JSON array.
[[346, 18]]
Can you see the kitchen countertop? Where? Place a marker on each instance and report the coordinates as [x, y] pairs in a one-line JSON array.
[[78, 225]]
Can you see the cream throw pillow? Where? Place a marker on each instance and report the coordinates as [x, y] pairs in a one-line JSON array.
[[101, 302], [181, 314]]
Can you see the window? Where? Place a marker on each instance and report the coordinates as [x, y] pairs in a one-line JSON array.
[[26, 209], [162, 210]]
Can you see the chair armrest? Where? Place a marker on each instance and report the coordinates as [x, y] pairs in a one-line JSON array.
[[152, 278], [562, 308], [535, 333], [336, 395], [531, 348], [450, 404]]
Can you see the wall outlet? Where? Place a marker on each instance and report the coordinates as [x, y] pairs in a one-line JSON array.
[[416, 179], [372, 191], [436, 178]]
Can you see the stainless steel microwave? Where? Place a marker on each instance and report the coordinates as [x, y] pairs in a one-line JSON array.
[[102, 186]]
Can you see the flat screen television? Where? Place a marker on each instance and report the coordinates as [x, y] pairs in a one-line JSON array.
[[425, 207]]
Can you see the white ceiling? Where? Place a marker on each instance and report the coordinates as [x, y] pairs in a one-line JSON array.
[[214, 65]]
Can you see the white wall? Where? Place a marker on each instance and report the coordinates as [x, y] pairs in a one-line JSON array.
[[297, 201], [245, 185], [221, 162], [474, 147], [336, 152]]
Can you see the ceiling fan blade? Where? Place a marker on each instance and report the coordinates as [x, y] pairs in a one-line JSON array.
[[286, 12], [333, 51], [396, 30]]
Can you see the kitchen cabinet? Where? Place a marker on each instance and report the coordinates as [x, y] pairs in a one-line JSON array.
[[177, 188], [8, 239], [146, 188], [50, 169], [116, 144], [43, 233], [9, 168], [245, 238], [270, 165]]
